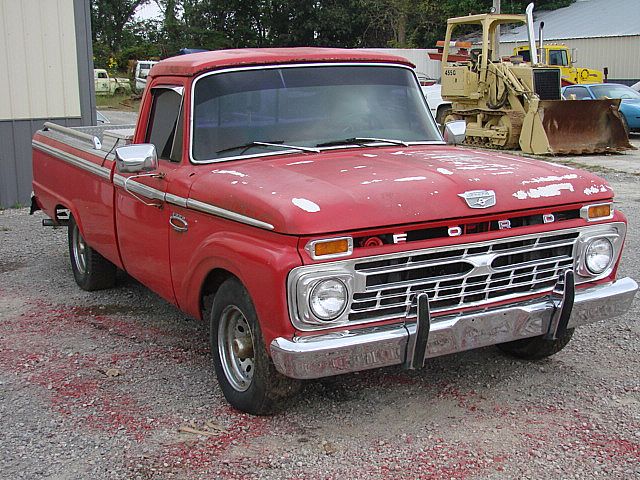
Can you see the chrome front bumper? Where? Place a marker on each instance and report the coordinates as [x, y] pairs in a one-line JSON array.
[[360, 349]]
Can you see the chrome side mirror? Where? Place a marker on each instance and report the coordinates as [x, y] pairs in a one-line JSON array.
[[454, 132], [136, 158]]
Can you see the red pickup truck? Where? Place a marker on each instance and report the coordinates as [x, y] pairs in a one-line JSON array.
[[303, 202]]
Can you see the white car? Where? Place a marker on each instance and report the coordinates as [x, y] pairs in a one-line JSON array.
[[439, 107], [143, 67]]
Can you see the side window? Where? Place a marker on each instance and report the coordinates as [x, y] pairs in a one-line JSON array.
[[581, 93], [558, 57], [102, 75], [165, 124]]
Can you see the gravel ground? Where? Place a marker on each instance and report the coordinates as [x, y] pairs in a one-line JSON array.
[[97, 385]]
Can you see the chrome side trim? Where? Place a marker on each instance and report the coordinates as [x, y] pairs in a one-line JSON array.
[[176, 200], [72, 159], [138, 188], [228, 214], [347, 351]]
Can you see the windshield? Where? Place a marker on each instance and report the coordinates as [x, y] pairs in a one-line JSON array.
[[306, 106], [614, 91]]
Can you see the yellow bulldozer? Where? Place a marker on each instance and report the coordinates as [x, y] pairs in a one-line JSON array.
[[508, 103]]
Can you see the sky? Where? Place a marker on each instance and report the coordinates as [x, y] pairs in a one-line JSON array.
[[150, 10]]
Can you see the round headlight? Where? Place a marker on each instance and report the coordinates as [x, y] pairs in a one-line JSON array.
[[328, 299], [598, 255]]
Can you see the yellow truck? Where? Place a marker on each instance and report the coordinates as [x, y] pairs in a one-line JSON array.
[[560, 56]]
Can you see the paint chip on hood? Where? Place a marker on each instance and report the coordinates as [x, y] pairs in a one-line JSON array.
[[306, 205]]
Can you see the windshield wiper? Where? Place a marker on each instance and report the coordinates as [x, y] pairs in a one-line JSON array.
[[247, 146], [361, 141]]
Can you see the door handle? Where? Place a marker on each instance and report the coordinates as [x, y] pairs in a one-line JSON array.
[[178, 223]]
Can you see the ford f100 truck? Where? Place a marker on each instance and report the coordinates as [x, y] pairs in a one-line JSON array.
[[303, 203]]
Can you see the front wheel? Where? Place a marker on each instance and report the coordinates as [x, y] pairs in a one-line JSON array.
[[90, 269], [536, 348], [246, 374]]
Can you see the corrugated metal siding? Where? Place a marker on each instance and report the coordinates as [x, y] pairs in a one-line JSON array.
[[39, 44], [417, 56], [620, 54], [15, 134]]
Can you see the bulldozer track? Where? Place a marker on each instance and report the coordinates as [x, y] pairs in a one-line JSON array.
[[515, 120]]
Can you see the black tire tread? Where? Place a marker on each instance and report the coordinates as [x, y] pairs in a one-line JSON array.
[[270, 390], [536, 348], [101, 273]]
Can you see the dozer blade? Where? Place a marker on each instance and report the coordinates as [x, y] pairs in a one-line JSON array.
[[576, 127]]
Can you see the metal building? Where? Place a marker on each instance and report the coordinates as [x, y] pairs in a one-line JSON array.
[[46, 73], [605, 33]]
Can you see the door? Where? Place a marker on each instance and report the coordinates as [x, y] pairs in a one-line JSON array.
[[142, 215], [102, 82]]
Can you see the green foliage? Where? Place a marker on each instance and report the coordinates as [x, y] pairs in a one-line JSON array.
[[216, 24]]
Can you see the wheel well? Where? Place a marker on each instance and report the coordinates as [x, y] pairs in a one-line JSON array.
[[442, 107], [210, 286]]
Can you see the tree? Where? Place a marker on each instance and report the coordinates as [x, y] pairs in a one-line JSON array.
[[108, 19]]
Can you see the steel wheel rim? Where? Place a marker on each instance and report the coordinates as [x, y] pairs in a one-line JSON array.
[[79, 250], [237, 362]]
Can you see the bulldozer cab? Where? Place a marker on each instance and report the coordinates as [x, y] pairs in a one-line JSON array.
[[509, 104]]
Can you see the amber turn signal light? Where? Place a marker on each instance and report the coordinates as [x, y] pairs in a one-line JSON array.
[[599, 211], [330, 248]]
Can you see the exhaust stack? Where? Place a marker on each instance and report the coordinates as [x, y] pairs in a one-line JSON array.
[[532, 36]]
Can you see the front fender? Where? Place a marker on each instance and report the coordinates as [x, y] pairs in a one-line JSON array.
[[261, 260]]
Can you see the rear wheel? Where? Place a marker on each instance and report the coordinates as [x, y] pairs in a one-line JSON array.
[[90, 269], [246, 374], [536, 348]]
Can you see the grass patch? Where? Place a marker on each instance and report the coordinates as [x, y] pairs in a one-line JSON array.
[[117, 102]]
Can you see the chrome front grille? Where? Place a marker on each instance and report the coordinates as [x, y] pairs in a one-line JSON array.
[[459, 277]]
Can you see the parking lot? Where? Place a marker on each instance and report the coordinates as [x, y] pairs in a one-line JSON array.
[[118, 384]]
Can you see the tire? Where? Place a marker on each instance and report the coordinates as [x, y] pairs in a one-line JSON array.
[[118, 91], [246, 374], [90, 269], [536, 348]]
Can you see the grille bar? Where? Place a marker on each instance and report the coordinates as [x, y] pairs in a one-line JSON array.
[[504, 269]]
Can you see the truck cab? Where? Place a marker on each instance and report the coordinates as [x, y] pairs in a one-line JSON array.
[[560, 56]]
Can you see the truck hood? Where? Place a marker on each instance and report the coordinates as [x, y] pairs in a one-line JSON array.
[[359, 188]]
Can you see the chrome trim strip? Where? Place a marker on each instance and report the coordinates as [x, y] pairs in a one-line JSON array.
[[361, 349], [72, 159], [138, 188], [189, 203], [297, 65], [176, 200], [228, 214]]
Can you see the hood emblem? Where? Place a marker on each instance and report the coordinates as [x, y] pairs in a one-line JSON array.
[[479, 198]]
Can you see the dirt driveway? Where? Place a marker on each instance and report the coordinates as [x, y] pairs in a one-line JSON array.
[[98, 385]]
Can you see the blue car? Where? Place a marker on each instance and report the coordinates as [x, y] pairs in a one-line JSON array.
[[629, 106]]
